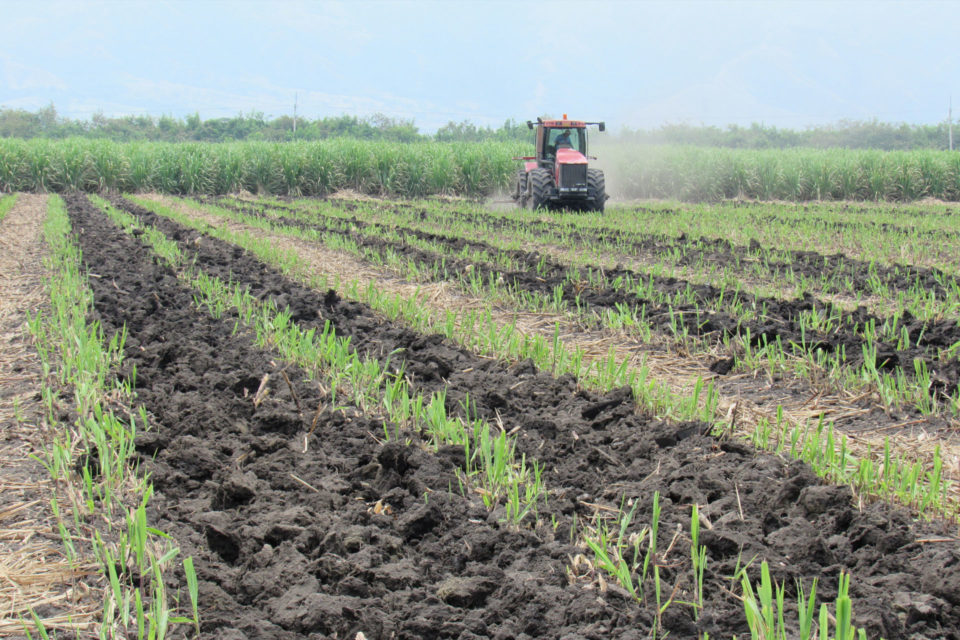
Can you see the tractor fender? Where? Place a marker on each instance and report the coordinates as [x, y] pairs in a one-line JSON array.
[[529, 166]]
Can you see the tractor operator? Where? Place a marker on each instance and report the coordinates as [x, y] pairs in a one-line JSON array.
[[563, 140]]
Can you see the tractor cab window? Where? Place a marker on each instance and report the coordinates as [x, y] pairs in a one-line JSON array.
[[565, 138]]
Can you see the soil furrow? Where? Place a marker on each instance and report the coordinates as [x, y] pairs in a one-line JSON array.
[[291, 543], [720, 252], [777, 319], [863, 224], [596, 449]]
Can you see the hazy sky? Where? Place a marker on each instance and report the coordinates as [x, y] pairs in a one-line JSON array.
[[640, 64]]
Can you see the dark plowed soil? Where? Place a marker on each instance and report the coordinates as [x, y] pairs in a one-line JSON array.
[[778, 318], [835, 268], [882, 227], [293, 544], [290, 544]]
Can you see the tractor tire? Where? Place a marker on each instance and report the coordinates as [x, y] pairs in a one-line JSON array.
[[539, 185], [520, 191], [596, 189]]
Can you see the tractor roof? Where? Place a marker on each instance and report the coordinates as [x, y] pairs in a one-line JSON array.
[[577, 124]]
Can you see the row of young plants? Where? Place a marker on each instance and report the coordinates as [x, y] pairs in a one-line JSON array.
[[922, 293], [477, 272], [910, 383], [670, 243], [886, 474], [887, 234], [101, 496], [595, 538], [869, 237], [631, 559], [883, 233], [475, 329], [591, 239], [918, 303], [6, 203]]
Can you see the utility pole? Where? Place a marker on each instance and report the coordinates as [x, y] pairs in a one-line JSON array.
[[295, 119], [950, 120]]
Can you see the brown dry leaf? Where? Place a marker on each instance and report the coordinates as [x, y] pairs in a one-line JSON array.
[[601, 583]]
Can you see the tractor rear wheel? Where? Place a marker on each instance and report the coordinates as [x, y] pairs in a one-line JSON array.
[[596, 188], [539, 184]]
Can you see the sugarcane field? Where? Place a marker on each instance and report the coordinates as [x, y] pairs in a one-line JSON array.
[[335, 377]]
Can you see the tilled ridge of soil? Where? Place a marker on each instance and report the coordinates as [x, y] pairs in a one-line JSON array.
[[594, 449], [777, 319], [860, 416], [715, 251], [290, 543]]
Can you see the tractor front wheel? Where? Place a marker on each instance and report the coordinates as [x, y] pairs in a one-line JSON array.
[[520, 192], [596, 188], [539, 184]]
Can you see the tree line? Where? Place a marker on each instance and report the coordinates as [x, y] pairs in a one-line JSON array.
[[47, 123]]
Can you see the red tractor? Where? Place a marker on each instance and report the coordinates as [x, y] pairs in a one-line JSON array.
[[558, 176]]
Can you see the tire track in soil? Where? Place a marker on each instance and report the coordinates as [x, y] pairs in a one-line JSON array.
[[544, 274], [804, 528], [714, 251]]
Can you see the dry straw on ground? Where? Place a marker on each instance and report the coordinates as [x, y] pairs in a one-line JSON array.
[[35, 575]]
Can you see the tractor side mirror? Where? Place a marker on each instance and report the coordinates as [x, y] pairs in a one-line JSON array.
[[603, 126], [529, 125]]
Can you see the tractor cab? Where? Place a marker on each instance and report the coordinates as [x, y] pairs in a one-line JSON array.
[[569, 137]]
